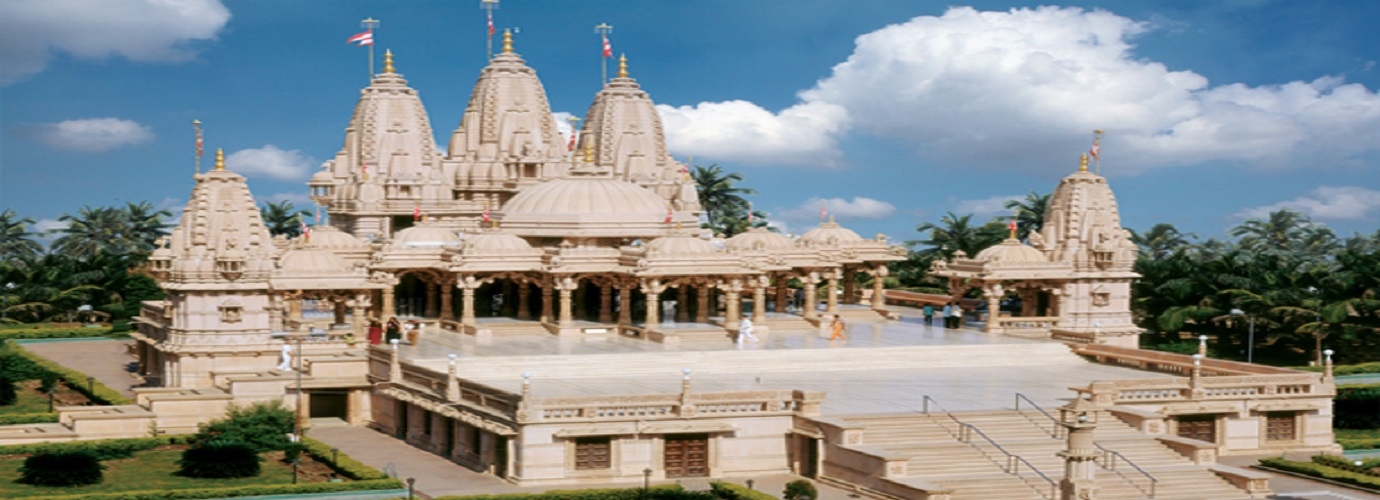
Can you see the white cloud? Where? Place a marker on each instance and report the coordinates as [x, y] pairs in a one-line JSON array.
[[563, 122], [139, 30], [269, 161], [986, 207], [1023, 89], [1326, 202], [859, 208], [90, 135], [740, 131]]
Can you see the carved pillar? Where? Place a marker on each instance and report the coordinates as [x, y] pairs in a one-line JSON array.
[[702, 304], [993, 293], [295, 308], [357, 313], [606, 304], [389, 303], [682, 304], [652, 289], [781, 293], [624, 304], [733, 295], [831, 292], [508, 302], [810, 281], [1029, 302], [1080, 456], [523, 293], [566, 286], [467, 284], [546, 301], [759, 301], [429, 310], [850, 286], [447, 299], [275, 312], [879, 287]]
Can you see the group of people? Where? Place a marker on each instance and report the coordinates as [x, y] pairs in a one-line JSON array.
[[394, 330], [952, 314], [836, 329]]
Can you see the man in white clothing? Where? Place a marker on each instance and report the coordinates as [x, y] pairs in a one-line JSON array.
[[745, 331]]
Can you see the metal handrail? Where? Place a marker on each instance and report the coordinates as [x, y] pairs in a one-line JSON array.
[[1109, 456], [1013, 461], [1053, 486], [1054, 433]]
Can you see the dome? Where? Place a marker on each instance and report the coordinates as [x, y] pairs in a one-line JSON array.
[[333, 237], [830, 233], [680, 245], [759, 238], [496, 243], [426, 235], [585, 195], [1011, 250], [322, 177], [312, 261]]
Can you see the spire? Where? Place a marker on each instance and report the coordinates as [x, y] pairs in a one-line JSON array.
[[388, 62], [1083, 163], [220, 159], [507, 41], [622, 65]]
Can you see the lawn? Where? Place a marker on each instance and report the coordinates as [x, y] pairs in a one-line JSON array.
[[30, 400], [147, 470]]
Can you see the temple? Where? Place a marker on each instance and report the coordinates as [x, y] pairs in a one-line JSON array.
[[576, 326]]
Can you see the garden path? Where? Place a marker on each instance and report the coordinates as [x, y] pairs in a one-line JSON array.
[[106, 359]]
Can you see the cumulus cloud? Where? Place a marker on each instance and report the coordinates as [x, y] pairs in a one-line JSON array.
[[858, 208], [90, 135], [986, 207], [271, 162], [1023, 89], [1326, 202], [138, 30]]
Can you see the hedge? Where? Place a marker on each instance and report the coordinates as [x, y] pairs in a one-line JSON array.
[[75, 380], [345, 466], [104, 449], [1359, 444], [29, 418], [238, 491], [1357, 407], [54, 333], [1323, 471], [1356, 369], [659, 492], [1368, 467], [730, 491]]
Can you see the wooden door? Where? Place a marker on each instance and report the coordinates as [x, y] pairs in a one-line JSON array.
[[809, 460], [1279, 426], [1200, 427], [687, 455]]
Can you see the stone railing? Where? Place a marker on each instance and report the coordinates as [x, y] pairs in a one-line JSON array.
[[1073, 336], [435, 384], [1168, 362], [1026, 324], [671, 406], [1203, 388]]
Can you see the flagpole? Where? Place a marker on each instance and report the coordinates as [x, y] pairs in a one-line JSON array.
[[369, 24], [196, 126], [489, 6], [1097, 142], [574, 135], [603, 29]]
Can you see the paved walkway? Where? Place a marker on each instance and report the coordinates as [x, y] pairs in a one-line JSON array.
[[1296, 488], [106, 359]]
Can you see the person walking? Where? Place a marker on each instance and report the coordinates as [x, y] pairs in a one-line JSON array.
[[375, 332], [392, 331], [944, 314], [957, 316], [837, 327], [929, 314], [411, 329], [745, 331]]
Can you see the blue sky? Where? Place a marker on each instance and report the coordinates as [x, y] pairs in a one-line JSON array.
[[893, 111]]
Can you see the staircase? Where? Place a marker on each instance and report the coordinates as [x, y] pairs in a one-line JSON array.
[[976, 469]]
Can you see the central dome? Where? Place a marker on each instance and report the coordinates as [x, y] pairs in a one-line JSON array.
[[585, 195], [1011, 250]]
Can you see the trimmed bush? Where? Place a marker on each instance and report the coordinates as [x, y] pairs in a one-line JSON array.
[[63, 468], [219, 460], [730, 491], [1359, 444], [661, 492], [238, 491], [105, 449], [1323, 471], [20, 364], [262, 426], [341, 463], [29, 418], [54, 333], [800, 489], [7, 393]]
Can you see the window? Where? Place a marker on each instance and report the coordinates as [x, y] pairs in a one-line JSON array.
[[593, 453], [1279, 426], [230, 311]]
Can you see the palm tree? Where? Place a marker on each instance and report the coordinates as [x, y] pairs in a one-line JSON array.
[[1030, 213], [93, 231], [954, 233], [283, 218], [16, 240], [1274, 234], [146, 225], [1161, 240], [722, 200]]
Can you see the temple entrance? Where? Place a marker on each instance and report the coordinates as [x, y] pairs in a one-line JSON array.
[[1200, 427], [330, 403], [687, 455], [809, 457], [410, 296]]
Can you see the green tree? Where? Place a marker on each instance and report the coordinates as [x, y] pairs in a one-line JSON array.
[[16, 240], [93, 231], [954, 233], [1161, 241], [263, 426], [283, 218], [1030, 213], [144, 225], [723, 202]]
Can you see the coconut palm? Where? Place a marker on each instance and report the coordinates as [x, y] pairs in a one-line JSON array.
[[958, 233], [1161, 240], [94, 231], [722, 200], [1030, 213], [283, 218], [145, 225], [16, 240]]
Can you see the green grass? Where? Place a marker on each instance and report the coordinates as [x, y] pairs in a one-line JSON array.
[[148, 470], [26, 402]]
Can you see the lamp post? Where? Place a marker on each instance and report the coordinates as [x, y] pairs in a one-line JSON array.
[[1317, 330], [1250, 336], [51, 390], [295, 461], [646, 481], [411, 482]]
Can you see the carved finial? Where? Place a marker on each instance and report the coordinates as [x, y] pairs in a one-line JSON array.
[[507, 41], [388, 62], [589, 151], [622, 65], [220, 159], [1083, 163]]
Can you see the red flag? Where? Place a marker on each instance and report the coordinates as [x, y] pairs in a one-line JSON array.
[[823, 212], [669, 214], [486, 215], [491, 24], [363, 38], [1012, 225], [570, 146], [200, 141], [608, 47], [1094, 151], [306, 230], [416, 213]]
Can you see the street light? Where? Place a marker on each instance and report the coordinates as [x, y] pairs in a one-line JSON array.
[[1250, 337], [410, 482], [51, 389], [646, 481]]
